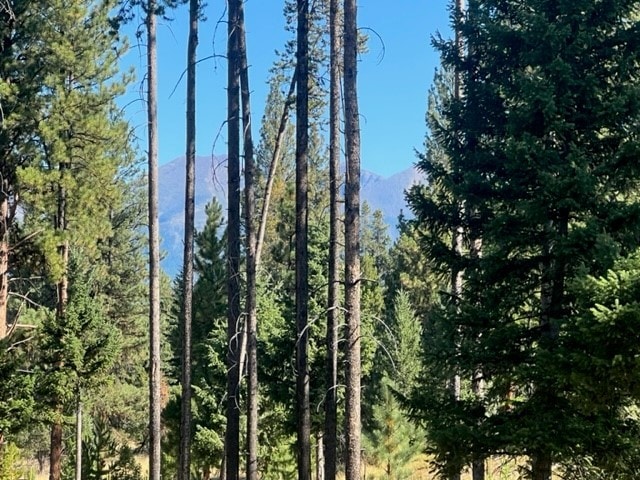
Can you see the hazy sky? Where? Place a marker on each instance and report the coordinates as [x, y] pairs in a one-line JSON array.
[[393, 76]]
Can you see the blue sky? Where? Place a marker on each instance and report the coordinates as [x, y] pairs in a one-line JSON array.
[[393, 78]]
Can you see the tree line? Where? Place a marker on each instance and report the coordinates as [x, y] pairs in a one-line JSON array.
[[496, 334]]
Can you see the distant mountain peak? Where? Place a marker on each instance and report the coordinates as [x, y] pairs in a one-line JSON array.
[[381, 193]]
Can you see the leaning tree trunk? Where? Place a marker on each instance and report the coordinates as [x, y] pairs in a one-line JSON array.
[[184, 471], [250, 232], [232, 435], [331, 396], [352, 243], [302, 258]]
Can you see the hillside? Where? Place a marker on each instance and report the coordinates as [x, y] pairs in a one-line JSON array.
[[384, 193]]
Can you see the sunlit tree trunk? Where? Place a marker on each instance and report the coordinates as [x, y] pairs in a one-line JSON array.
[[250, 232], [331, 395], [189, 227], [155, 406], [352, 244]]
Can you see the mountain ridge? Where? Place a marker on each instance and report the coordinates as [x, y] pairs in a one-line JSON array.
[[381, 193]]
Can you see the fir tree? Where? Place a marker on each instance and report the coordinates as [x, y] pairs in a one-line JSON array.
[[540, 150]]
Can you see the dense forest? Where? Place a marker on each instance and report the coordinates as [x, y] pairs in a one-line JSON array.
[[495, 338]]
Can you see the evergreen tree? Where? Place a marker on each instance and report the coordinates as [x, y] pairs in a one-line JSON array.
[[539, 149]]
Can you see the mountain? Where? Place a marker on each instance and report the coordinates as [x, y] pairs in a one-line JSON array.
[[383, 193]]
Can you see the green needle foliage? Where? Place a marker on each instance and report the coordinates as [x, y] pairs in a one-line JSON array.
[[537, 160]]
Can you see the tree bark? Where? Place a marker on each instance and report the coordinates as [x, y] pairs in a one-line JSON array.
[[331, 399], [251, 294], [352, 244], [184, 471], [55, 455], [541, 465], [302, 257], [4, 258], [232, 436], [154, 247], [275, 160]]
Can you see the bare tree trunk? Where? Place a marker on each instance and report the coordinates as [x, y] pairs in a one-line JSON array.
[[352, 244], [302, 257], [232, 436], [154, 248], [251, 302], [184, 471], [4, 257], [331, 399], [319, 456], [275, 160]]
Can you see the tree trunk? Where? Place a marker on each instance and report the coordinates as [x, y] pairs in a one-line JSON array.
[[232, 435], [184, 471], [55, 453], [154, 248], [331, 396], [456, 274], [275, 160], [541, 465], [302, 257], [352, 244], [4, 259], [319, 456], [251, 298], [79, 439]]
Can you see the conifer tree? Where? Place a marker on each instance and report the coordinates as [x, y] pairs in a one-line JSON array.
[[538, 149]]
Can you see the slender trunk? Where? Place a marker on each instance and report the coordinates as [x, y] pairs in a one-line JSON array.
[[275, 160], [302, 258], [155, 406], [456, 274], [62, 289], [184, 471], [319, 456], [4, 259], [251, 302], [352, 243], [232, 436], [456, 292], [79, 439], [331, 400]]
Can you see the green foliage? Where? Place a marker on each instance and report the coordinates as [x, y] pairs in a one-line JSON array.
[[77, 353], [209, 347], [393, 441], [11, 464], [535, 159], [103, 456], [16, 388]]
